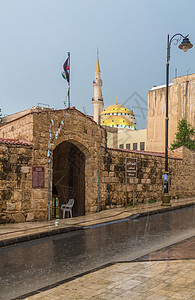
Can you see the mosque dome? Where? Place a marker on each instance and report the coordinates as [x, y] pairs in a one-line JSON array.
[[116, 108], [118, 121], [119, 116]]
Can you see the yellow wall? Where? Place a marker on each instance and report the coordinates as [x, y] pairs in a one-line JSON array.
[[126, 136]]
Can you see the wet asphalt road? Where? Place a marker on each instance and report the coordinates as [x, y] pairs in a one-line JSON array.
[[28, 266]]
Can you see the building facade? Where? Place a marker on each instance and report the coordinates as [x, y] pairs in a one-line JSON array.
[[181, 105]]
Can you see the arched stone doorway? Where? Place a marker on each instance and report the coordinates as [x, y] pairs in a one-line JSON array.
[[68, 178]]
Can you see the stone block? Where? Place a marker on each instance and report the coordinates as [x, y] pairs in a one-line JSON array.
[[18, 205], [17, 195], [42, 204], [139, 187], [115, 179], [40, 215], [30, 217], [148, 181], [111, 174], [34, 204], [19, 217], [40, 193], [4, 205], [11, 206], [13, 159]]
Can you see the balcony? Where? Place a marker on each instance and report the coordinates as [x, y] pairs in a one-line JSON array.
[[98, 82], [97, 99]]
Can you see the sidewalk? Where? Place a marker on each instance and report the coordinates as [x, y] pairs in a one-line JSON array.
[[22, 232], [157, 276]]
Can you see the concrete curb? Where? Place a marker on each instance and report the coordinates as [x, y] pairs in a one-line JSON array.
[[34, 236]]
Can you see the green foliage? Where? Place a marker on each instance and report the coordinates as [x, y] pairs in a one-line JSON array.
[[130, 204], [183, 136], [152, 201]]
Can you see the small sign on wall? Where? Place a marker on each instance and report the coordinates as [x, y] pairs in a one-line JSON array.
[[38, 177], [131, 167]]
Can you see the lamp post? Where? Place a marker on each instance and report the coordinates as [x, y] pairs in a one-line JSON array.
[[185, 45]]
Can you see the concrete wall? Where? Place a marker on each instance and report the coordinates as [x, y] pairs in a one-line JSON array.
[[112, 137], [181, 105], [130, 137], [116, 137]]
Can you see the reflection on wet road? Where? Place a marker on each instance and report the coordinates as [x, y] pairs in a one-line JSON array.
[[29, 266]]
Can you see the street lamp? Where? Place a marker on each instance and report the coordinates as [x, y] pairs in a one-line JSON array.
[[185, 45]]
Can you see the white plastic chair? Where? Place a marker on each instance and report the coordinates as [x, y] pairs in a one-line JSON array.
[[67, 207]]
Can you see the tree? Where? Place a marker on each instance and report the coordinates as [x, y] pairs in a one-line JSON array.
[[183, 136]]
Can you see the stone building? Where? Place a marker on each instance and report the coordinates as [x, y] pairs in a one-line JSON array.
[[75, 168], [75, 159], [181, 105]]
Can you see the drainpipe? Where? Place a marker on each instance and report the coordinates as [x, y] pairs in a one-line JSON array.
[[98, 195], [51, 146], [49, 180]]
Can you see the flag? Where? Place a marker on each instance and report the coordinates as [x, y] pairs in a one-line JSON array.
[[65, 70]]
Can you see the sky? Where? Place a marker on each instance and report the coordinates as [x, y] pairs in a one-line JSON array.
[[35, 36]]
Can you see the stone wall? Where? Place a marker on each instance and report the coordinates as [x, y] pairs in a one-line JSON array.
[[20, 128], [15, 182], [149, 182], [19, 201], [79, 130]]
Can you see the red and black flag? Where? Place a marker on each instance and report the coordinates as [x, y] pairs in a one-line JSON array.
[[66, 70]]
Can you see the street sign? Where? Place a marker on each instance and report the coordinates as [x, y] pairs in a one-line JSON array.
[[38, 177], [131, 167]]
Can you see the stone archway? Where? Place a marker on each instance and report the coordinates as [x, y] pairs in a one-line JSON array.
[[68, 178]]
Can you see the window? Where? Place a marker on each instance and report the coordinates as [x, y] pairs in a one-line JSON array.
[[128, 146], [134, 146], [121, 146], [142, 146]]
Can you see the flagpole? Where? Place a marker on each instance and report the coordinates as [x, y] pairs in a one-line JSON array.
[[69, 81]]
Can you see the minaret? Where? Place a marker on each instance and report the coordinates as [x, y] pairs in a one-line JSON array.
[[98, 99]]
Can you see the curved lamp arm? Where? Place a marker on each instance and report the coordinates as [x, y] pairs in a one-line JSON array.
[[185, 44]]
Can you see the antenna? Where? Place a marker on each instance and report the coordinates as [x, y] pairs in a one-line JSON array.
[[175, 72], [188, 71]]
